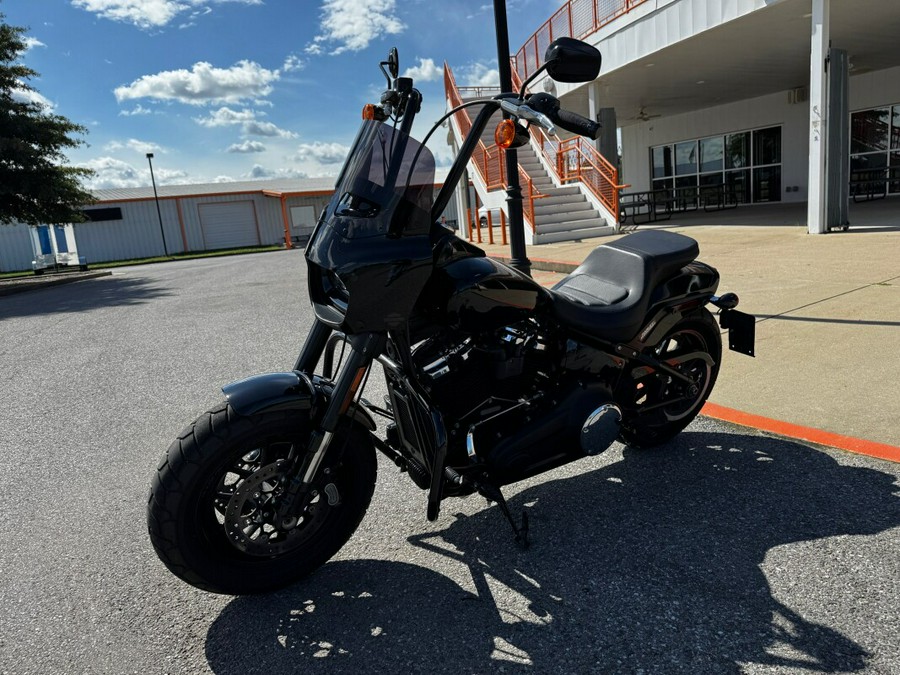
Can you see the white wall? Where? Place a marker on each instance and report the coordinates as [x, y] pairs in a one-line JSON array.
[[871, 90], [866, 91], [15, 248], [765, 111]]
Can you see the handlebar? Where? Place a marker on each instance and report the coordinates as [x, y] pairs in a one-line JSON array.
[[544, 110]]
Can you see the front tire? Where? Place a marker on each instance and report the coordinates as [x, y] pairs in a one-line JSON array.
[[656, 407], [213, 502]]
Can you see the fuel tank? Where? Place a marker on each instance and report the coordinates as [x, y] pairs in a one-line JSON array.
[[475, 294]]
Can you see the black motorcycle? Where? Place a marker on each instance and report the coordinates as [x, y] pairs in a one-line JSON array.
[[490, 377]]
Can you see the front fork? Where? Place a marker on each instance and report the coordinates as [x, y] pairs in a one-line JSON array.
[[363, 349]]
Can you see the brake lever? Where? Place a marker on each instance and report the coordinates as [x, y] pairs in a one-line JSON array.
[[529, 115]]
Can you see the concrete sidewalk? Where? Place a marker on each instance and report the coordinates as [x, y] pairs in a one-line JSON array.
[[828, 321]]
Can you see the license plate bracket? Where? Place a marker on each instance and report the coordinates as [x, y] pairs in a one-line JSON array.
[[741, 331]]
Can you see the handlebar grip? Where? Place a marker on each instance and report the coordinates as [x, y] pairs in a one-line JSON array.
[[575, 123]]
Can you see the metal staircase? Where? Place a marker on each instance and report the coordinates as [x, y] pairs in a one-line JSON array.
[[559, 180]]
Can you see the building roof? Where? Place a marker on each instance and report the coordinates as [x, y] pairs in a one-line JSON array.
[[281, 185], [275, 187]]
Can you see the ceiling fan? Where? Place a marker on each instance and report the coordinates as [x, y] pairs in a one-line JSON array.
[[643, 115]]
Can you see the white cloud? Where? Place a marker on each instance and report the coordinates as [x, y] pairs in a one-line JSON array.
[[142, 13], [29, 96], [266, 129], [248, 119], [426, 71], [225, 116], [31, 43], [293, 63], [114, 173], [137, 110], [259, 172], [479, 75], [246, 147], [353, 24], [323, 153], [150, 13], [134, 144], [203, 84]]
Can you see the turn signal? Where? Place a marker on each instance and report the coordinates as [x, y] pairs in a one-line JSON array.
[[505, 134], [368, 112]]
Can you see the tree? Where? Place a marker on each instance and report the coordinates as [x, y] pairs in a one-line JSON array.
[[36, 184]]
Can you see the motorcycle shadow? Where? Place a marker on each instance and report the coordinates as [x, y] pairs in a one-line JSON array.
[[651, 563]]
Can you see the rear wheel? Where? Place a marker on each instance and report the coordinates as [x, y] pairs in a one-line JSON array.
[[657, 406], [213, 507]]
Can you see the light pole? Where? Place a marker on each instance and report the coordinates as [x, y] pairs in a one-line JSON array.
[[156, 197], [519, 259]]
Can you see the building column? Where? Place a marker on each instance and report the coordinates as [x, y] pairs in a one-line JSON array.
[[818, 120], [608, 142]]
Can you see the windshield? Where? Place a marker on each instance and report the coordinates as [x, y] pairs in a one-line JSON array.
[[386, 186]]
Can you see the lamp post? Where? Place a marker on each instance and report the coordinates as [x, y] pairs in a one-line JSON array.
[[518, 258], [156, 197]]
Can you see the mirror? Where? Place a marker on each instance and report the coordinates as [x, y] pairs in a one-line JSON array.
[[570, 60], [393, 63]]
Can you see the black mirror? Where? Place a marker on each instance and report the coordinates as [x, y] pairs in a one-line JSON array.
[[393, 63], [570, 60]]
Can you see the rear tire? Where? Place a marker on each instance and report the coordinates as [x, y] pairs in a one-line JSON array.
[[212, 502], [647, 420]]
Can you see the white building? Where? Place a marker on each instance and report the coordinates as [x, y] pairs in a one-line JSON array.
[[776, 100]]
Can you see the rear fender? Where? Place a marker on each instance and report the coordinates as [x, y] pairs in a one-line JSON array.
[[285, 391], [684, 293]]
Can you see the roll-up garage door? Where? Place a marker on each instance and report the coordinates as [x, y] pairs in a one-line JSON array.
[[229, 225]]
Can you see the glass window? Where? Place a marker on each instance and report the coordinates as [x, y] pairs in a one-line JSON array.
[[712, 152], [895, 129], [737, 150], [738, 184], [767, 146], [895, 172], [767, 184], [665, 184], [662, 161], [685, 158], [869, 130]]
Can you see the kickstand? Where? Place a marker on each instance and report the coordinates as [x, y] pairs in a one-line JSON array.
[[521, 531]]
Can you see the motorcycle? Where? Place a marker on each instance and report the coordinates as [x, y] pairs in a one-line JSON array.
[[490, 377]]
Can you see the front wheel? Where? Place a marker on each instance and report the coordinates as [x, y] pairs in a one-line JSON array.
[[213, 507], [657, 406]]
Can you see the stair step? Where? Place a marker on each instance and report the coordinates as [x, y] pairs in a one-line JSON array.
[[572, 235], [557, 196], [570, 225], [562, 209]]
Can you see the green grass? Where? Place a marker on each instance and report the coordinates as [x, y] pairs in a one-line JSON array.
[[191, 255]]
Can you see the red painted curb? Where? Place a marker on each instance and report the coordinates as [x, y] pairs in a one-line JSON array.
[[857, 445]]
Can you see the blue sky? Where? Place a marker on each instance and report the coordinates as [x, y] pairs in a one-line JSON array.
[[240, 89]]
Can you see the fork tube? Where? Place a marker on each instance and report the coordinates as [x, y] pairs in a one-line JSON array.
[[313, 348], [364, 349]]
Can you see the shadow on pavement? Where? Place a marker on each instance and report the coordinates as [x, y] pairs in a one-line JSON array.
[[80, 296], [650, 564]]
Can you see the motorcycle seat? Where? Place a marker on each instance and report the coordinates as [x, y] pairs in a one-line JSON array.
[[608, 295]]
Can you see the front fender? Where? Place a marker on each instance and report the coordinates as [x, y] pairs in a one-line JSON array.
[[284, 391]]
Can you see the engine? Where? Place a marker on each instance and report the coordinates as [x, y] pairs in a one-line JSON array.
[[472, 378]]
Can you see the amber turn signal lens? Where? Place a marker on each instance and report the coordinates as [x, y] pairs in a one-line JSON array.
[[505, 134], [368, 112]]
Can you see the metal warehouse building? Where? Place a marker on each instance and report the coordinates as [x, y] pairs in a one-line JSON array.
[[125, 223]]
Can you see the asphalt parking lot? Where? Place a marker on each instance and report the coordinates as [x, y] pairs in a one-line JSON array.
[[729, 551]]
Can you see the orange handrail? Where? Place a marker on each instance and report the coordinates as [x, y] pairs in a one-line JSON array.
[[577, 159], [490, 162], [576, 19]]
